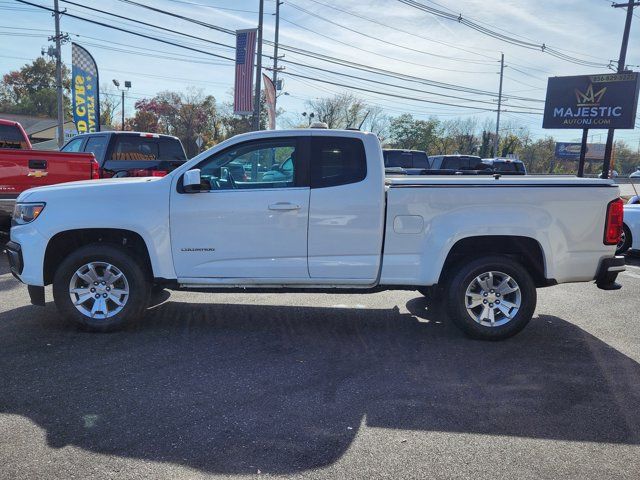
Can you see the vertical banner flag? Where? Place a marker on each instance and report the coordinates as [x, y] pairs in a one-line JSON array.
[[245, 51], [84, 90], [270, 95]]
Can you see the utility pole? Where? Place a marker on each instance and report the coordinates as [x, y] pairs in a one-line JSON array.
[[621, 64], [256, 98], [496, 139], [58, 39], [275, 51]]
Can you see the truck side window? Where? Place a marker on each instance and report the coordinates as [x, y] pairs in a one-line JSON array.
[[337, 161], [96, 145], [74, 145], [262, 164]]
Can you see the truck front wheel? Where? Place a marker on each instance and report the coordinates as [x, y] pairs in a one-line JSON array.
[[491, 298], [101, 287]]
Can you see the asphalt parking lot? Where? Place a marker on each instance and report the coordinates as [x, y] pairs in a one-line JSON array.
[[322, 386]]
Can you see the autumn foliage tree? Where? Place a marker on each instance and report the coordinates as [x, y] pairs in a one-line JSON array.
[[32, 89]]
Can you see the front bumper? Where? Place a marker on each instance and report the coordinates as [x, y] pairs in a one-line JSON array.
[[16, 265], [608, 271], [14, 254]]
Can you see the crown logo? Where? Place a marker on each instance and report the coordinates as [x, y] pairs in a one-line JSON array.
[[589, 98]]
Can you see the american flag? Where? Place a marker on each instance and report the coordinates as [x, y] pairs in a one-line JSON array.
[[245, 51]]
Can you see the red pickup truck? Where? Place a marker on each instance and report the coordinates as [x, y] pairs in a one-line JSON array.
[[22, 168]]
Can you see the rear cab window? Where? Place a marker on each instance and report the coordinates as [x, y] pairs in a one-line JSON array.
[[408, 159], [141, 149], [398, 159], [337, 161], [11, 137]]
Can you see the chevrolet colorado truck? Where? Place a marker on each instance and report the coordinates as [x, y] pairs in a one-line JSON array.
[[22, 168], [312, 211]]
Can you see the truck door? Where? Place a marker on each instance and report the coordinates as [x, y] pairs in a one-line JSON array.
[[252, 223], [346, 209]]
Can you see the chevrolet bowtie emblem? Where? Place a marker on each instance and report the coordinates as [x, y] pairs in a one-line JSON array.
[[37, 173], [589, 98]]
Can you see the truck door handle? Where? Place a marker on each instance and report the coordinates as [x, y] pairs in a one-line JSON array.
[[38, 164], [284, 206]]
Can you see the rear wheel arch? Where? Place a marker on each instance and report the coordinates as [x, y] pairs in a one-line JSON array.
[[66, 242], [527, 251]]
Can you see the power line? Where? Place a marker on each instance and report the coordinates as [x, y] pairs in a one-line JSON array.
[[307, 53], [333, 39], [129, 31], [372, 37], [315, 55], [230, 59], [501, 36], [397, 29]]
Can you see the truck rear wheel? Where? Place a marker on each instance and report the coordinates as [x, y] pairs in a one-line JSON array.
[[491, 298], [101, 287]]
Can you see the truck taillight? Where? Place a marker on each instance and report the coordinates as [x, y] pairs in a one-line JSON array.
[[613, 224], [158, 173], [95, 170]]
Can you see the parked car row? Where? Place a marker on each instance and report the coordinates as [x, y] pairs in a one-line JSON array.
[[84, 157], [416, 162]]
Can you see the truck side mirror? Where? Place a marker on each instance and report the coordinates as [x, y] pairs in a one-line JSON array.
[[191, 181]]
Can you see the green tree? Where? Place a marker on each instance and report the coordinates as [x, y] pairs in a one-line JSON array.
[[409, 133], [32, 89]]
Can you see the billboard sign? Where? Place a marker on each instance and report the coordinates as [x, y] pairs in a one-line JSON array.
[[84, 90], [571, 151], [592, 101]]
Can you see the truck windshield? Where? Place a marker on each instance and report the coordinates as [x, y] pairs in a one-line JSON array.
[[11, 137]]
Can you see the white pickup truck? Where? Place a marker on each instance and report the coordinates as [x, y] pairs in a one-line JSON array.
[[311, 210]]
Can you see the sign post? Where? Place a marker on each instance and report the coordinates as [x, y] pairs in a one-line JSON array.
[[583, 152]]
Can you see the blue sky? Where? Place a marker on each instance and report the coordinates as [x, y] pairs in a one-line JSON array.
[[381, 33]]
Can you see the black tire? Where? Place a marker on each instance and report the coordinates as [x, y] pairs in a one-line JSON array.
[[138, 283], [626, 244], [465, 275]]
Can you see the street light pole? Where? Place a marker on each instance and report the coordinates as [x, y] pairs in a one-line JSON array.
[[256, 98], [60, 99], [606, 166], [122, 127], [127, 85]]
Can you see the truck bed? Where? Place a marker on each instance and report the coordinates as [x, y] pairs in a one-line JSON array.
[[427, 216]]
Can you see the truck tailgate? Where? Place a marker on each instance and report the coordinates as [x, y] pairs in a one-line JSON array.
[[24, 169]]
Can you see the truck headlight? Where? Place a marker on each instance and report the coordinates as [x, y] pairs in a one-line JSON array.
[[26, 212]]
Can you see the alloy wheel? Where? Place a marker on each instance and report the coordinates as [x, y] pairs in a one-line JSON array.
[[493, 299], [99, 290]]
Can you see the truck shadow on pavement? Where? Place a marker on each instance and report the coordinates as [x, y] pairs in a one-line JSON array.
[[233, 388]]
